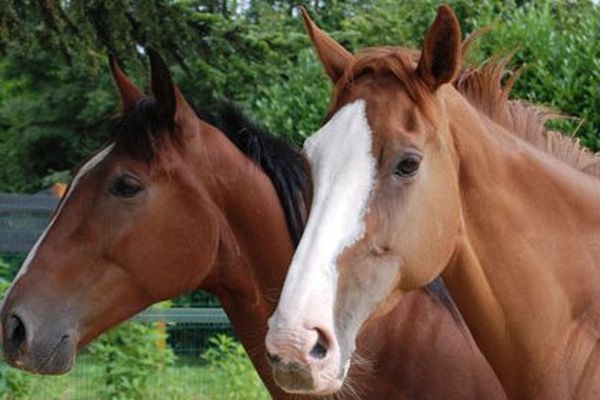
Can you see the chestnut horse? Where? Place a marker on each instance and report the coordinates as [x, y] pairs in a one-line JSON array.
[[414, 177], [173, 204]]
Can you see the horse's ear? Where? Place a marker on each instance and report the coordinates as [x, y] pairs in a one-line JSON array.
[[130, 93], [441, 56], [171, 103], [334, 57], [162, 85]]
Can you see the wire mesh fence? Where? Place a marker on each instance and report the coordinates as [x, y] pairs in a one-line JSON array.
[[183, 335]]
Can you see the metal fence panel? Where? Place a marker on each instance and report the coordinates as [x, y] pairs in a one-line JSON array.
[[22, 219], [183, 315]]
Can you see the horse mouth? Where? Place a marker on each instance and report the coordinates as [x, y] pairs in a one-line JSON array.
[[301, 379]]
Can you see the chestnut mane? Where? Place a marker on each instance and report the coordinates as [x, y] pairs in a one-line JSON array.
[[482, 86]]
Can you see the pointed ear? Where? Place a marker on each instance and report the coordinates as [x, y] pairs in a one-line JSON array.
[[171, 103], [130, 93], [162, 85], [441, 56], [334, 57]]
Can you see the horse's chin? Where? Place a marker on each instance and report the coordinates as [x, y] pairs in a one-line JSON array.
[[316, 388], [305, 381]]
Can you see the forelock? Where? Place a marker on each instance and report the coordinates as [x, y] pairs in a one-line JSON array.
[[395, 61], [141, 130]]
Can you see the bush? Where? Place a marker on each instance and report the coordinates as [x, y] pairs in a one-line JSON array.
[[297, 116], [6, 272], [227, 360], [557, 42], [129, 356], [260, 57]]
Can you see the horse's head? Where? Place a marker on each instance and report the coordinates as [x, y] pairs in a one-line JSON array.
[[128, 233], [385, 212]]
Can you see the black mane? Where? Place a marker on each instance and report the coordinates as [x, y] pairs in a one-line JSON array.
[[278, 158], [141, 132]]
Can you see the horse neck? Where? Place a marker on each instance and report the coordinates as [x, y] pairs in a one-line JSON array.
[[255, 248], [527, 262]]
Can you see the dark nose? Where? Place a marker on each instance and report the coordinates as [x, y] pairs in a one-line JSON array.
[[15, 334]]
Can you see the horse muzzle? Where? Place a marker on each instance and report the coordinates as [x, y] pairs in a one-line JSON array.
[[305, 361], [36, 346]]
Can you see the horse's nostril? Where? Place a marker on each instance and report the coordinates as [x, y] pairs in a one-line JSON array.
[[273, 358], [16, 332], [319, 350]]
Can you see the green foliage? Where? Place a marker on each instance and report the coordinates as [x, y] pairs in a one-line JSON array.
[[14, 384], [227, 358], [199, 298], [130, 357], [5, 276], [57, 99], [53, 116], [9, 267], [295, 116], [558, 43]]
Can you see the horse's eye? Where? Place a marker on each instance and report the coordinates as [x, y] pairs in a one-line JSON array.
[[408, 165], [126, 186]]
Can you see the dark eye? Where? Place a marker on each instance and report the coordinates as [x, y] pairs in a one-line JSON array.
[[408, 165], [126, 186]]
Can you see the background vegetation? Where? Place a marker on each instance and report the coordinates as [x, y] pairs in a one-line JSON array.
[[57, 99], [223, 372]]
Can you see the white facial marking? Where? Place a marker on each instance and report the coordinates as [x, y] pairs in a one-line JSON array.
[[343, 169], [82, 171]]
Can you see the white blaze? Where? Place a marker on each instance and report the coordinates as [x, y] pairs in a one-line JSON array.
[[343, 171]]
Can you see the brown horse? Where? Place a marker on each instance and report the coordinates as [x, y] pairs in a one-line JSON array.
[[414, 177], [173, 204]]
